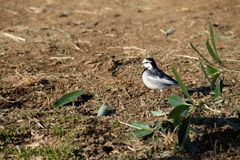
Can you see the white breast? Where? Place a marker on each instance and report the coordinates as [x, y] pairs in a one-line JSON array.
[[151, 82]]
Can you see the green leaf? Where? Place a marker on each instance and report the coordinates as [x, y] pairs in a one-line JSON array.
[[200, 104], [185, 112], [167, 154], [232, 124], [226, 37], [175, 100], [238, 112], [155, 139], [175, 148], [206, 75], [176, 121], [213, 38], [218, 88], [232, 60], [180, 82], [69, 97], [157, 113], [139, 133], [141, 125], [212, 53], [211, 70], [102, 111], [195, 49], [183, 131], [219, 101], [158, 125], [170, 31], [189, 146], [214, 78], [177, 111], [195, 131]]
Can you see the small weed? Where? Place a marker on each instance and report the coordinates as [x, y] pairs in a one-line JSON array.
[[8, 150], [47, 152], [115, 124], [148, 153], [59, 131], [7, 136], [75, 118], [65, 119], [76, 133], [86, 120]]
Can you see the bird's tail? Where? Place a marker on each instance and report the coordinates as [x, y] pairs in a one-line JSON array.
[[189, 88], [194, 89]]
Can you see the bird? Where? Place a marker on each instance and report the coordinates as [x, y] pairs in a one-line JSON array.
[[156, 79]]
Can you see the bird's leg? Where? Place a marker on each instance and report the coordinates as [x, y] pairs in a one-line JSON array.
[[159, 95]]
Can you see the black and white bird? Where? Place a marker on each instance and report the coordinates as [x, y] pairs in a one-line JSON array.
[[156, 79]]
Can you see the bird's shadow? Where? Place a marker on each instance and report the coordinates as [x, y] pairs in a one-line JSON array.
[[225, 138], [204, 90]]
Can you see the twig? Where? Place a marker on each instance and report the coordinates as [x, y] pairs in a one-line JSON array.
[[84, 42], [61, 30], [113, 47], [14, 37], [211, 109], [186, 56], [10, 11], [37, 121], [175, 129], [165, 136], [76, 46], [19, 150], [129, 125], [61, 58], [133, 47], [130, 148], [85, 12], [163, 31], [10, 65], [113, 135], [10, 101], [22, 82]]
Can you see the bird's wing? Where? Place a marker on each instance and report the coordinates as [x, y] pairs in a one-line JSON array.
[[166, 78]]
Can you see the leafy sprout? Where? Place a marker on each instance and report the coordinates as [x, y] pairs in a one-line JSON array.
[[69, 97]]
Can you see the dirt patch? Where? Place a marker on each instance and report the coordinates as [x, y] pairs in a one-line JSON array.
[[49, 48]]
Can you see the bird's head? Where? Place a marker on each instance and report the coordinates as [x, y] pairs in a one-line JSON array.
[[149, 63]]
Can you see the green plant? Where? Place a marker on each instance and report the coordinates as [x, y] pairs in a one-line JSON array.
[[182, 114], [184, 111], [69, 97], [143, 130], [59, 131], [47, 152], [215, 67], [115, 124]]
